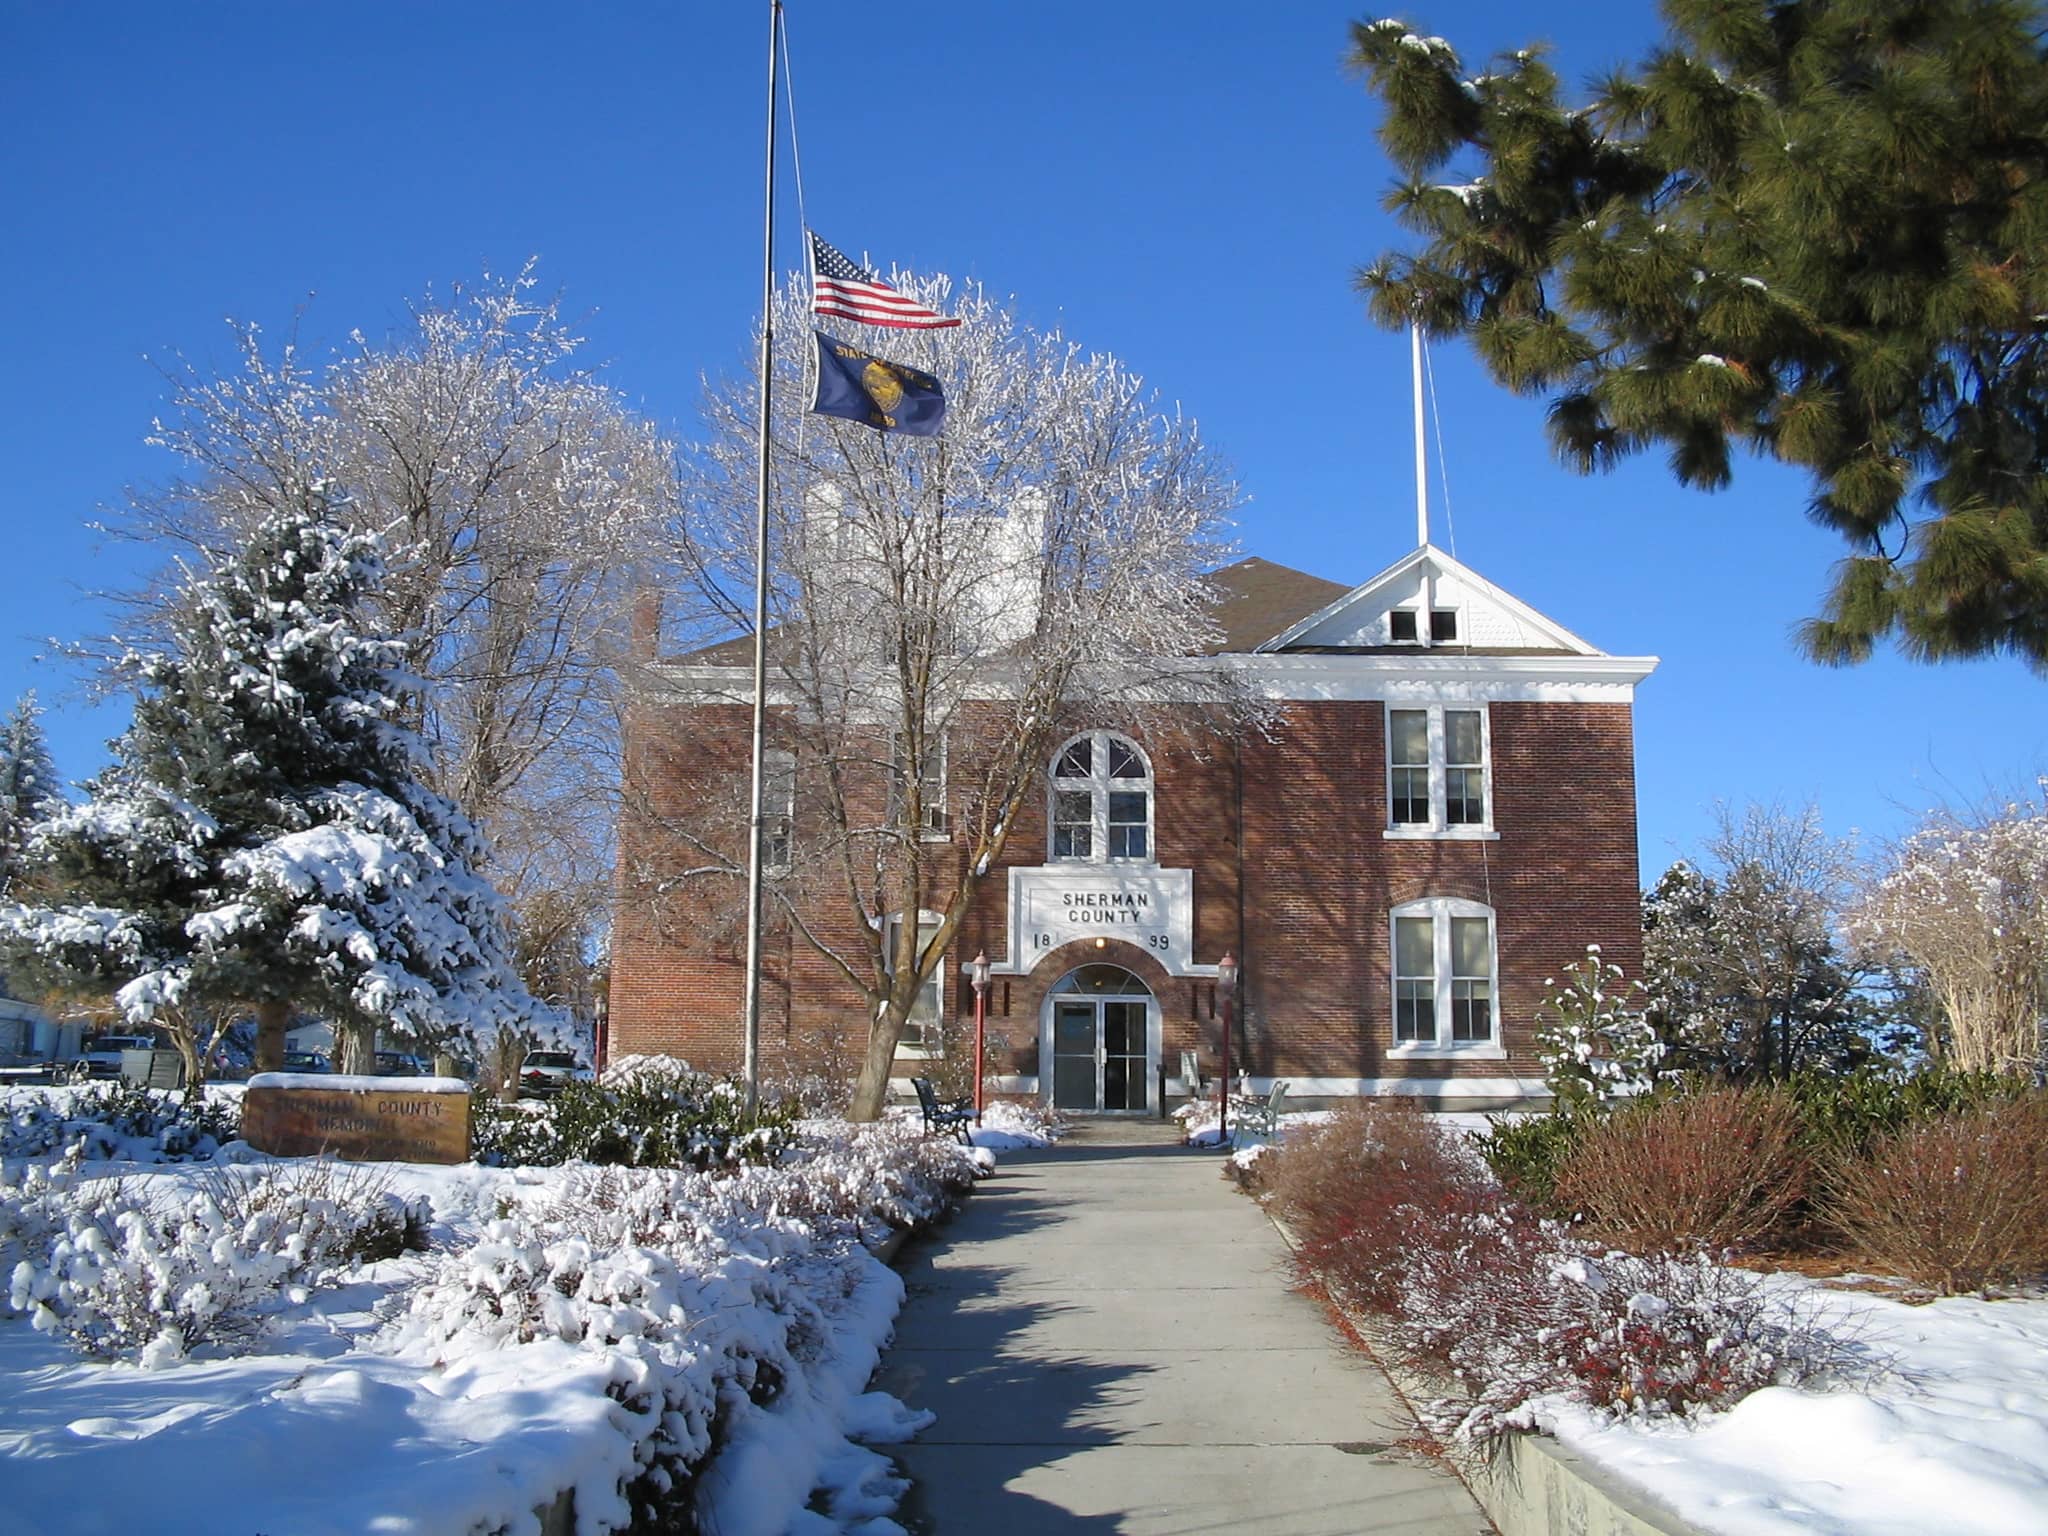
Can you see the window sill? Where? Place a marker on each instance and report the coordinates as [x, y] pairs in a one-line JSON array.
[[1441, 835], [920, 1053], [1447, 1053]]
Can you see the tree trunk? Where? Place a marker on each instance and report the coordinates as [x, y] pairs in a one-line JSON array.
[[271, 1021], [355, 1048], [871, 1088]]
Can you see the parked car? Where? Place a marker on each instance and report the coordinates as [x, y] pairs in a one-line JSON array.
[[402, 1064], [306, 1061], [101, 1059], [546, 1072]]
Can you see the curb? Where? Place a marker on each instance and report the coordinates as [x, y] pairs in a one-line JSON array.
[[1528, 1484]]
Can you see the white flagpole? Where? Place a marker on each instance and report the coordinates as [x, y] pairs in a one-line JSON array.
[[750, 1008], [1421, 454]]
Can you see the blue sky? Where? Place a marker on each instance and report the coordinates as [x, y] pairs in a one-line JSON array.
[[1186, 185]]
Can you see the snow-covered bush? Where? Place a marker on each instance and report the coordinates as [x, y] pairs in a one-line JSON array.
[[1395, 1218], [122, 1275], [1592, 1038], [703, 1294], [118, 1120], [645, 1112]]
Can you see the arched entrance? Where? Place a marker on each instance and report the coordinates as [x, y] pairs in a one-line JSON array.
[[1101, 1033]]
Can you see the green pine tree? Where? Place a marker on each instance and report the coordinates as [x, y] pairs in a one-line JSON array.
[[29, 790], [1815, 229]]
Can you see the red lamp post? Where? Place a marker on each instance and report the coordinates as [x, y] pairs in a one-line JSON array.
[[978, 971], [1226, 988]]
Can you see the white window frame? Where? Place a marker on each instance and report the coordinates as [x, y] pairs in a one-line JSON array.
[[1440, 910], [1099, 786], [935, 984], [1439, 825], [778, 811], [938, 822]]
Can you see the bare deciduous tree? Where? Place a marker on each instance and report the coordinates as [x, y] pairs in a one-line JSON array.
[[942, 612], [517, 495], [1964, 902]]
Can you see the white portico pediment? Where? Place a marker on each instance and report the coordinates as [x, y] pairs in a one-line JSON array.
[[1054, 905], [1424, 583]]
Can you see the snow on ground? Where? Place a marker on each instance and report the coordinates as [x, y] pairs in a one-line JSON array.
[[1955, 1441], [565, 1323], [1007, 1127]]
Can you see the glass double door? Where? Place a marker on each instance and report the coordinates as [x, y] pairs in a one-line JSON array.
[[1099, 1055]]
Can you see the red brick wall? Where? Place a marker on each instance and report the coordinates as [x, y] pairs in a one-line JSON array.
[[1291, 869]]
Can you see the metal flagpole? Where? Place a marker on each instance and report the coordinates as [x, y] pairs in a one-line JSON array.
[[750, 1008]]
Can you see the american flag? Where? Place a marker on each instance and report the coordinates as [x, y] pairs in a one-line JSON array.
[[838, 287]]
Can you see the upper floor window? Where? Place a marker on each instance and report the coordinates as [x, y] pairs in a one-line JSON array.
[[778, 811], [1444, 967], [933, 822], [1437, 770], [1101, 800]]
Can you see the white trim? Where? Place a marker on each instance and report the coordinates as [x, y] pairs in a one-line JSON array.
[[1404, 1087], [1434, 563], [1437, 762], [1101, 784], [1445, 676], [1014, 1082], [1439, 909]]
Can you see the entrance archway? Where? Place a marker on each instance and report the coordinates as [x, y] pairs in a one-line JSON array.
[[1101, 1034]]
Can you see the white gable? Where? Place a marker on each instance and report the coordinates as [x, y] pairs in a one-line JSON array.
[[1425, 581]]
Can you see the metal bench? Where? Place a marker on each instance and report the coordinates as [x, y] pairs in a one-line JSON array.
[[1259, 1121], [955, 1116]]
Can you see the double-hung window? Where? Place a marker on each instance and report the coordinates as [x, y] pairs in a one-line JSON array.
[[1101, 808], [1438, 783], [921, 1031], [1444, 978], [933, 822], [778, 811]]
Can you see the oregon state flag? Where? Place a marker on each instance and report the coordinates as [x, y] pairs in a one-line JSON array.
[[886, 396]]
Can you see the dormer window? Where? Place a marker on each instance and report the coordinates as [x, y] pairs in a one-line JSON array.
[[1402, 625], [1443, 626]]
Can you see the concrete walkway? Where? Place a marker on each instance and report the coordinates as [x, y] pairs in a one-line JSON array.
[[1108, 1336]]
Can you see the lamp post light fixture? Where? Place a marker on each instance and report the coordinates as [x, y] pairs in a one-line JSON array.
[[978, 971], [1226, 988]]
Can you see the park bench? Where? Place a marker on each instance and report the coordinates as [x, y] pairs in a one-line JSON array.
[[1259, 1122], [939, 1116]]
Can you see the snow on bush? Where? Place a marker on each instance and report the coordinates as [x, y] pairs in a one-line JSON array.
[[122, 1275], [117, 1120], [1398, 1219], [1591, 1035], [716, 1301], [646, 1111], [1009, 1126]]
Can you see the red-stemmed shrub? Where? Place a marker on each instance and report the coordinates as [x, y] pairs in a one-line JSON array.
[[1716, 1168], [1957, 1202]]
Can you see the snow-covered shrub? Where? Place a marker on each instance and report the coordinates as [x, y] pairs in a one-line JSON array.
[[1592, 1038], [1655, 1336], [646, 1112], [1712, 1168], [120, 1274], [1956, 1202], [886, 1171], [119, 1120]]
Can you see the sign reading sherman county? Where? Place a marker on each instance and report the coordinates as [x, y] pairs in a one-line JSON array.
[[358, 1119], [1055, 905]]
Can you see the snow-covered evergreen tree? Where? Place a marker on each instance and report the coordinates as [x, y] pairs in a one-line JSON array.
[[29, 790], [264, 837]]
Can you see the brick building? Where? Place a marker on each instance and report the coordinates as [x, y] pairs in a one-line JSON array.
[[1440, 817]]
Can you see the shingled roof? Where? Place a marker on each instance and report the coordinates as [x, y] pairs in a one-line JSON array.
[[1261, 600]]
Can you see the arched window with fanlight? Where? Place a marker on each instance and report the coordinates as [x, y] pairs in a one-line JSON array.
[[1101, 801]]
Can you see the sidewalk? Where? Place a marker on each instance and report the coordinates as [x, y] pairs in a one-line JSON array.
[[1107, 1335]]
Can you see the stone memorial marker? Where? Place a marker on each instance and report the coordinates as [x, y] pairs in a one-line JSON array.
[[358, 1119]]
